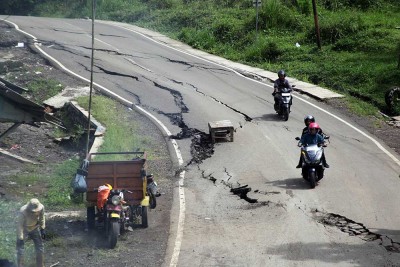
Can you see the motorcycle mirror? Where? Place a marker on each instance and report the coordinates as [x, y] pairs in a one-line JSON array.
[[297, 138], [293, 85]]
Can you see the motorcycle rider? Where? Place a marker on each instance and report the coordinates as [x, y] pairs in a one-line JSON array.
[[307, 120], [312, 137], [280, 83], [102, 195]]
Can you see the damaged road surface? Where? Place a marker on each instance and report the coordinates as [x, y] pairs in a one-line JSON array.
[[273, 223]]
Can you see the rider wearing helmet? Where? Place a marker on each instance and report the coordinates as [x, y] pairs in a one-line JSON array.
[[307, 120], [280, 83], [312, 136]]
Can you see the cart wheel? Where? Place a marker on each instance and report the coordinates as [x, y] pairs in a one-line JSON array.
[[145, 223], [91, 220], [128, 220]]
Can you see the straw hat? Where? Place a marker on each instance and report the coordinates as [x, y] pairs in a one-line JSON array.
[[34, 205]]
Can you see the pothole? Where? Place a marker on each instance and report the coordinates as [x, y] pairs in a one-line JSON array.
[[353, 228]]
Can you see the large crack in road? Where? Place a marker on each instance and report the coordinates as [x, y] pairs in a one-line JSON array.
[[353, 228], [201, 145]]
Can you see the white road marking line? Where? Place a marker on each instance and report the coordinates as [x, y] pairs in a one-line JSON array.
[[90, 36], [136, 64], [181, 190], [181, 222]]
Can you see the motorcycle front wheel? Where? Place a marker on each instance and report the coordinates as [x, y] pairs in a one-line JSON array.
[[311, 178], [285, 114], [113, 234]]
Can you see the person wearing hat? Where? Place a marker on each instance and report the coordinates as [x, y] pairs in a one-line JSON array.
[[31, 224]]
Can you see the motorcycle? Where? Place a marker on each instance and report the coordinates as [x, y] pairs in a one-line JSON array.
[[312, 168], [152, 191], [392, 99], [116, 216], [284, 103]]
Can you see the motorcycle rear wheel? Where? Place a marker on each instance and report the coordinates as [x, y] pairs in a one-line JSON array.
[[91, 218], [153, 201]]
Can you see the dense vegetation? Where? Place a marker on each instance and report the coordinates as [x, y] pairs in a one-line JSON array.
[[360, 54]]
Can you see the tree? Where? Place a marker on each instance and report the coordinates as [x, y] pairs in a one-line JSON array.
[[17, 7]]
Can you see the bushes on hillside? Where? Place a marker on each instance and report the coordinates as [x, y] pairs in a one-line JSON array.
[[262, 50], [360, 4], [275, 14], [370, 40], [228, 30], [201, 39], [337, 26]]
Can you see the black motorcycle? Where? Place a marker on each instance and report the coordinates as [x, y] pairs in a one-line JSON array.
[[116, 216], [284, 102], [312, 168], [152, 191]]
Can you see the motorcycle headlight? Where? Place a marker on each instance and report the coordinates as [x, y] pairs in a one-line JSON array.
[[116, 200]]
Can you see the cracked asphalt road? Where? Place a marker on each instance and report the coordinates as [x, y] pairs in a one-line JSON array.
[[185, 93]]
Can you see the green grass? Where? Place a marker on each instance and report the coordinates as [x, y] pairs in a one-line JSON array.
[[360, 107], [120, 134], [8, 210], [43, 89]]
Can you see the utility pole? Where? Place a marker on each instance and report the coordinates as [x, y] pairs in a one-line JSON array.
[[257, 3], [91, 78], [316, 24]]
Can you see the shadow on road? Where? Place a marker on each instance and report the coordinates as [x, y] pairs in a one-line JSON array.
[[340, 254], [291, 183], [269, 117]]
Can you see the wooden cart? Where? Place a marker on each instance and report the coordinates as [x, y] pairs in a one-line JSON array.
[[120, 174]]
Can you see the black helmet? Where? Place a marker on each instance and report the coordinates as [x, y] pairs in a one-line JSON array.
[[150, 178], [281, 73], [308, 119]]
